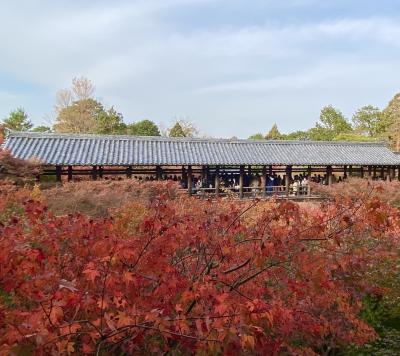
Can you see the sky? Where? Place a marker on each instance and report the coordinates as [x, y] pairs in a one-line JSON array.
[[232, 67]]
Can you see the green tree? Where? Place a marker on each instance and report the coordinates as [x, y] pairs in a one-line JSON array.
[[274, 133], [80, 117], [353, 136], [257, 136], [391, 122], [18, 120], [368, 121], [183, 128], [298, 135], [331, 123], [177, 131], [143, 128], [41, 128], [110, 122], [78, 112]]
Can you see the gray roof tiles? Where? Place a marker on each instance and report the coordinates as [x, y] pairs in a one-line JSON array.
[[74, 149]]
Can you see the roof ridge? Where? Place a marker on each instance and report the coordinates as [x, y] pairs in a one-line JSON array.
[[189, 139]]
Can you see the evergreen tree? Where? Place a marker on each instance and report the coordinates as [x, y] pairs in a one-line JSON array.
[[18, 120], [274, 133]]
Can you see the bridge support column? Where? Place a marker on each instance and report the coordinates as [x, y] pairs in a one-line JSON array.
[[69, 173], [264, 181], [241, 182], [58, 173], [190, 180], [288, 178], [329, 175], [217, 181]]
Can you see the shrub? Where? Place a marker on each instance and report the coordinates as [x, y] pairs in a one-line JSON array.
[[194, 276]]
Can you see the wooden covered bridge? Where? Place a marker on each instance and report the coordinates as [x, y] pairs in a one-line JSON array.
[[206, 165]]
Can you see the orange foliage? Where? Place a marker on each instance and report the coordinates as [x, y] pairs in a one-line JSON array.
[[193, 276], [98, 198]]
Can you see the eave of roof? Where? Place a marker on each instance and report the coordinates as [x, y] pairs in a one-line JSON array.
[[89, 149]]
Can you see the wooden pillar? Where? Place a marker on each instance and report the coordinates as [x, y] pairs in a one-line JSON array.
[[329, 175], [369, 172], [287, 179], [344, 171], [184, 177], [398, 172], [270, 171], [94, 172], [129, 172], [383, 173], [309, 172], [374, 172], [100, 170], [264, 181], [350, 171], [190, 180], [362, 171], [158, 173], [217, 181], [241, 182], [58, 173], [69, 173], [392, 173]]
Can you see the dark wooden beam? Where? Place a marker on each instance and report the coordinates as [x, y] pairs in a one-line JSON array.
[[264, 181], [217, 181], [190, 180], [58, 173], [329, 175], [288, 177], [241, 181]]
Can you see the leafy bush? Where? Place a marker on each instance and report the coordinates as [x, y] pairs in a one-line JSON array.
[[99, 198], [185, 275]]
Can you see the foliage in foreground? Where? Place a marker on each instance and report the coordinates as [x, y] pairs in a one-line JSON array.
[[184, 275]]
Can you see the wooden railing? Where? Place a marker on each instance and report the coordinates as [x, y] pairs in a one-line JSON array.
[[253, 192]]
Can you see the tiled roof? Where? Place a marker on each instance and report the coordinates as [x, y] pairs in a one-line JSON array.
[[74, 149]]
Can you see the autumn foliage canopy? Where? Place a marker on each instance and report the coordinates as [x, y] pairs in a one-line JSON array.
[[181, 274]]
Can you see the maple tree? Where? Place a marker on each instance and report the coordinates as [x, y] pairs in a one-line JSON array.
[[176, 273]]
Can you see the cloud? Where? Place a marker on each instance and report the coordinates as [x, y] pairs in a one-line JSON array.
[[149, 63]]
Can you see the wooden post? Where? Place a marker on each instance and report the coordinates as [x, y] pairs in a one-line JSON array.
[[374, 172], [129, 172], [398, 173], [309, 172], [241, 182], [350, 171], [264, 181], [287, 179], [184, 177], [392, 173], [158, 173], [58, 173], [329, 175], [270, 171], [94, 172], [383, 173], [369, 172], [69, 173], [344, 172], [101, 172], [190, 180], [362, 171], [217, 181]]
